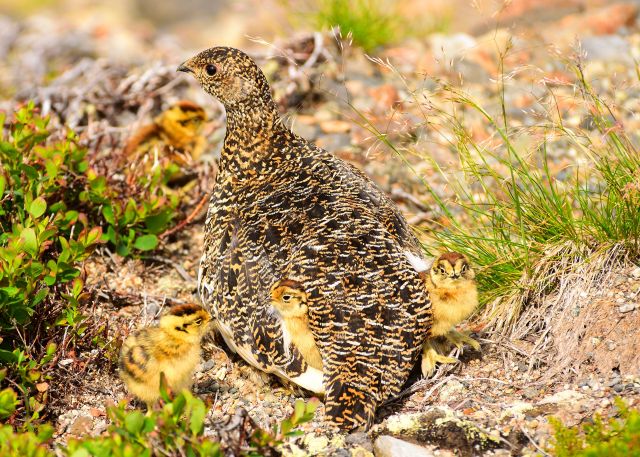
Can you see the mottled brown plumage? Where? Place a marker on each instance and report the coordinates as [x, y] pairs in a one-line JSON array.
[[284, 208]]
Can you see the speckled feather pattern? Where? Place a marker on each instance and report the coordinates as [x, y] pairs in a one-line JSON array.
[[283, 208]]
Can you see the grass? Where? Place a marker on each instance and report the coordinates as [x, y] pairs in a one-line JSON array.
[[527, 230], [372, 24]]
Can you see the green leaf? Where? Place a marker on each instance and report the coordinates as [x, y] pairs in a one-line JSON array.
[[8, 402], [198, 414], [156, 223], [30, 243], [133, 422], [107, 213], [38, 207], [3, 184], [146, 242]]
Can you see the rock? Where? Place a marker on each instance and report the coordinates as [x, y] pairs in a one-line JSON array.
[[334, 141], [635, 273], [607, 48], [306, 131], [335, 126], [206, 366], [359, 439], [602, 21], [565, 396], [440, 427], [627, 308], [447, 48], [450, 389], [81, 426], [388, 446]]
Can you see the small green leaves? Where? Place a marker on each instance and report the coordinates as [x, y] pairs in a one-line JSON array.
[[146, 242], [38, 207], [133, 422], [8, 402], [29, 241]]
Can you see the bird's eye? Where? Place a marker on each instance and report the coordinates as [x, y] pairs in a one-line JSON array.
[[210, 69], [198, 321], [464, 268], [443, 270], [286, 297]]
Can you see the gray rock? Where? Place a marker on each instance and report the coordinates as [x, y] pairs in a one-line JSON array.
[[388, 446], [636, 272], [307, 131], [627, 308], [607, 48]]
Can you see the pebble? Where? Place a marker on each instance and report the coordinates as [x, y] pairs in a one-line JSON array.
[[388, 446], [627, 308], [636, 273]]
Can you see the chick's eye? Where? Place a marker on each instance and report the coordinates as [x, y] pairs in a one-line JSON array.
[[464, 268], [197, 321], [286, 297], [210, 69]]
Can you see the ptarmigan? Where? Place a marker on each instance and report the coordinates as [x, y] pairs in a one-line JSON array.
[[282, 208]]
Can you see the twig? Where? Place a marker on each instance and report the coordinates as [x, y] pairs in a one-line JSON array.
[[188, 219], [538, 448], [179, 268]]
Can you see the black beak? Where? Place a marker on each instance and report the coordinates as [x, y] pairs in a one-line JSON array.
[[183, 67]]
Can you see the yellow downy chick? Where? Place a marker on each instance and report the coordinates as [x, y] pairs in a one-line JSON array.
[[290, 301], [454, 296], [173, 348], [173, 138]]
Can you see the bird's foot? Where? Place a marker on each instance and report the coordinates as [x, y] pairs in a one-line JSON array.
[[430, 356], [459, 339]]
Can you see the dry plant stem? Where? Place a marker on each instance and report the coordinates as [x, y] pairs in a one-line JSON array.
[[190, 218]]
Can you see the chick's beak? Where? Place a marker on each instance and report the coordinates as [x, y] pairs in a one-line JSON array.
[[184, 67]]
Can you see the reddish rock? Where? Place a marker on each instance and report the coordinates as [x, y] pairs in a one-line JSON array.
[[601, 21]]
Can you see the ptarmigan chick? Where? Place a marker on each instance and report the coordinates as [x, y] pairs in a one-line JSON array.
[[454, 296], [291, 303], [173, 348]]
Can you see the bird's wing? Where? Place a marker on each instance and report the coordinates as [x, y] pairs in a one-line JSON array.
[[235, 277]]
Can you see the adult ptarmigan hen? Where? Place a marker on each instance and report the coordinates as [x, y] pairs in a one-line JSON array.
[[282, 208]]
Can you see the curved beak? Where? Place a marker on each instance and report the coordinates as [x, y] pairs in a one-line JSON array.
[[184, 67]]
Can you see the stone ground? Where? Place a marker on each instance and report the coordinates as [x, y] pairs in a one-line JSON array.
[[496, 401]]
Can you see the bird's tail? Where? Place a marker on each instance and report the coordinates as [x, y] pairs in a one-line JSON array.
[[349, 406]]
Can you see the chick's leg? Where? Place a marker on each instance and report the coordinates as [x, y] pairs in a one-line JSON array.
[[459, 339], [430, 356]]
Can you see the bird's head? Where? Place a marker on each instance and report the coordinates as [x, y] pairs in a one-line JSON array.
[[289, 299], [182, 122], [188, 322], [229, 75], [450, 267]]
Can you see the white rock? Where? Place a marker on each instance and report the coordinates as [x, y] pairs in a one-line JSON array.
[[636, 272], [565, 396], [388, 446], [627, 308]]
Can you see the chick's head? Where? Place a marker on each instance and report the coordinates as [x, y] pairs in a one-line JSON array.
[[289, 299], [188, 322], [229, 75], [450, 268], [182, 123]]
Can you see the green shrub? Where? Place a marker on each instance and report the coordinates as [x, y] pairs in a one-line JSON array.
[[175, 429], [54, 211], [615, 437]]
